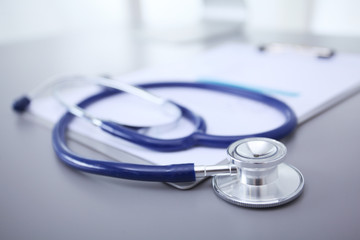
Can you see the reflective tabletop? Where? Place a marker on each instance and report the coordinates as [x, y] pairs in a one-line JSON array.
[[41, 198]]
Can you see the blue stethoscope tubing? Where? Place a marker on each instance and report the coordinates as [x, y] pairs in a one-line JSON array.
[[164, 173]]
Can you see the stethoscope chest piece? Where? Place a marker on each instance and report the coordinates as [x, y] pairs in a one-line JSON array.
[[262, 179]]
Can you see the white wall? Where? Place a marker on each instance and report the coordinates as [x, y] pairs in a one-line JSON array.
[[170, 13], [24, 19], [278, 15], [329, 17], [336, 17]]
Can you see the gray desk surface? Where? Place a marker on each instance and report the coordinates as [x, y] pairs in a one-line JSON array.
[[43, 199]]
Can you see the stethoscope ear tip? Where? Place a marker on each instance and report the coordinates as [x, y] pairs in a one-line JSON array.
[[20, 105]]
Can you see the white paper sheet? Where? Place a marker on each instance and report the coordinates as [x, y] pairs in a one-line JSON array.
[[307, 84]]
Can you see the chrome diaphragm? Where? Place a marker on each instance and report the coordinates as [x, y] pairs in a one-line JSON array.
[[262, 179]]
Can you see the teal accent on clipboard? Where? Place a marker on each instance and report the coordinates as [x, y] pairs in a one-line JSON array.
[[270, 91]]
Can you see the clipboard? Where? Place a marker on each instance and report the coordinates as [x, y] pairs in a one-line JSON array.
[[308, 84]]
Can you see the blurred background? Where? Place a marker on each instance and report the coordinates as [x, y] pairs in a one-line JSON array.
[[177, 20]]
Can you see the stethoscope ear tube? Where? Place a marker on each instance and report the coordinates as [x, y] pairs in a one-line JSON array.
[[167, 173], [157, 144], [199, 137]]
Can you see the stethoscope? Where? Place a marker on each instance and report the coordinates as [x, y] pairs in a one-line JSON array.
[[254, 177]]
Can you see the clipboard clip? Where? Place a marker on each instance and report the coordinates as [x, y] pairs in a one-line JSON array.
[[319, 52]]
